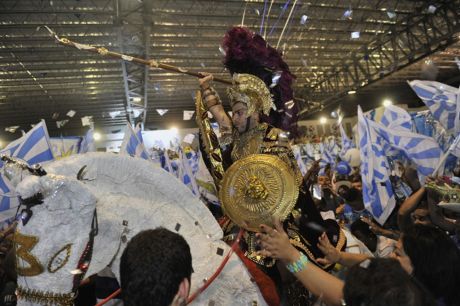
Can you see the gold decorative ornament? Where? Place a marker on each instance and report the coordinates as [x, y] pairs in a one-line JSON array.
[[248, 143], [252, 91], [257, 188], [24, 244], [153, 63], [102, 51], [210, 141], [45, 297], [57, 262]]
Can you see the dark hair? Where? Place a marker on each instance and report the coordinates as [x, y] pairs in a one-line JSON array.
[[356, 178], [382, 282], [152, 266], [435, 259], [361, 230]]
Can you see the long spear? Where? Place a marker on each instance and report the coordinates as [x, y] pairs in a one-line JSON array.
[[152, 63]]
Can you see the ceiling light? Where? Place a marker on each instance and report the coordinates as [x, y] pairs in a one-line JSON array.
[[351, 92], [174, 130], [387, 102], [97, 136], [322, 120], [137, 99]]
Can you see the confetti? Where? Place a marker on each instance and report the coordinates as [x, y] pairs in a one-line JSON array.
[[177, 228], [391, 14], [355, 35], [188, 115], [114, 114], [304, 62], [432, 9], [71, 113], [348, 14], [87, 120], [303, 19], [12, 129], [54, 116], [161, 112], [61, 123]]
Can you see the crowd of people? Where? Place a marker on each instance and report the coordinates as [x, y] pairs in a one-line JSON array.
[[323, 244]]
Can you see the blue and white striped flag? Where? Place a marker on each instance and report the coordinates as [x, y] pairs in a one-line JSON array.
[[87, 143], [328, 155], [455, 147], [133, 144], [9, 201], [347, 144], [298, 156], [378, 194], [442, 100], [34, 147], [396, 118], [423, 151], [188, 175]]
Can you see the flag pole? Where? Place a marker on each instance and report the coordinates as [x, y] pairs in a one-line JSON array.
[[441, 163], [147, 62]]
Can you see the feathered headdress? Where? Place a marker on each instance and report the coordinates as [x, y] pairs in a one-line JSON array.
[[247, 52]]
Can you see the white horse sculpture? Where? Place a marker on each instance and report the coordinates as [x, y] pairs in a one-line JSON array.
[[129, 195]]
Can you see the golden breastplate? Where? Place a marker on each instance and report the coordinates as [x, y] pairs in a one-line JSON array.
[[248, 143]]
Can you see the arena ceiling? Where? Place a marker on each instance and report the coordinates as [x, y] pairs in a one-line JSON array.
[[332, 46]]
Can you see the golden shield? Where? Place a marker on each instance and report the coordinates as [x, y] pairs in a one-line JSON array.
[[257, 188]]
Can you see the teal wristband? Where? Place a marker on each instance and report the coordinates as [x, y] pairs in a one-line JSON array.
[[298, 265]]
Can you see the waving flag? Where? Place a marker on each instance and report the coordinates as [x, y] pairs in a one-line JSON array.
[[396, 118], [455, 147], [421, 150], [378, 194], [34, 147], [188, 175], [442, 100], [9, 201], [327, 157], [347, 144], [65, 146], [297, 154], [133, 143], [87, 143]]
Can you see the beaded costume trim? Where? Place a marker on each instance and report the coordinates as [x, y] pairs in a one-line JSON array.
[[46, 297]]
